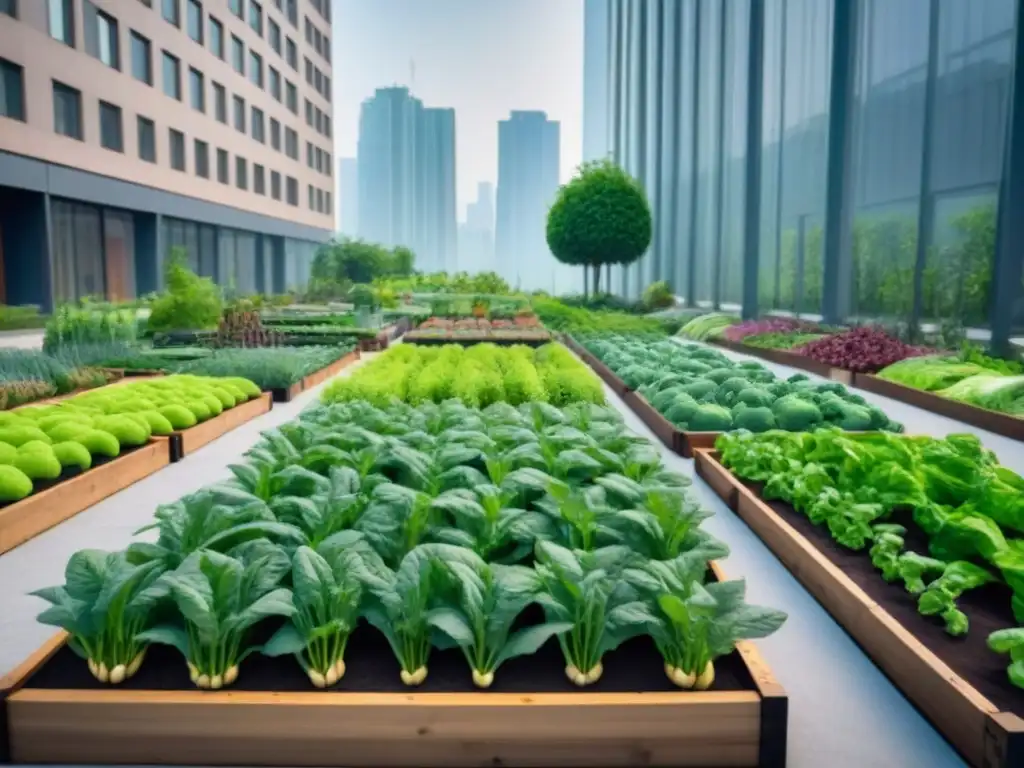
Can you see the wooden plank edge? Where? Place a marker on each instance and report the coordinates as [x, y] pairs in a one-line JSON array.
[[194, 438], [992, 421], [43, 513], [870, 625], [12, 682]]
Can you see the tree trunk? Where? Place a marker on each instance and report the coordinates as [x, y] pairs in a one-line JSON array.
[[585, 282], [597, 280]]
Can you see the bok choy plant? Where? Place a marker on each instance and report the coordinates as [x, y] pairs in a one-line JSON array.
[[104, 605], [693, 623], [219, 598], [326, 594], [586, 590], [479, 620]]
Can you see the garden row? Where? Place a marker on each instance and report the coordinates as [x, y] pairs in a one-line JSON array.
[[516, 554], [967, 385], [914, 544]]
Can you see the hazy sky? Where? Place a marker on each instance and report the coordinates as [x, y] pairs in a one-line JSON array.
[[482, 57]]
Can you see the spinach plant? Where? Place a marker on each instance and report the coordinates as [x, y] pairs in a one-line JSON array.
[[219, 598], [489, 600], [105, 603], [586, 590], [326, 595], [693, 623]]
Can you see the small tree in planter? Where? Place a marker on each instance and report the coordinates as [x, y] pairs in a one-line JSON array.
[[600, 217]]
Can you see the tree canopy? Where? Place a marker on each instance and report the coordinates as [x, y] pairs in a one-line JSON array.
[[600, 217]]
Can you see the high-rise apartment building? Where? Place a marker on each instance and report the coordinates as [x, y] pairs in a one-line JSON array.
[[348, 196], [528, 157], [595, 79], [407, 177], [130, 128], [476, 235]]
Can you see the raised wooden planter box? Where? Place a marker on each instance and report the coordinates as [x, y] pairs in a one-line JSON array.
[[617, 385], [982, 418], [26, 519], [785, 357], [285, 395], [742, 726], [187, 441], [972, 711]]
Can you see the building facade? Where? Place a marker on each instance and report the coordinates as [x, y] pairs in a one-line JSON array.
[[476, 235], [129, 128], [528, 158], [595, 79], [406, 170], [348, 196], [823, 158]]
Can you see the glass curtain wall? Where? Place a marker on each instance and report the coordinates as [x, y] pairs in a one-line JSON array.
[[78, 251], [119, 255]]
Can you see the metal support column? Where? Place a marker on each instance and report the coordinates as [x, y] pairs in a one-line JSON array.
[[835, 297], [926, 200], [49, 299], [720, 160], [1009, 256], [691, 247], [752, 180]]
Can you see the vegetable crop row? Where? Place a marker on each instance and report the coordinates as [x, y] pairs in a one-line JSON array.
[[699, 389], [40, 443], [968, 507], [975, 383], [438, 525], [479, 375]]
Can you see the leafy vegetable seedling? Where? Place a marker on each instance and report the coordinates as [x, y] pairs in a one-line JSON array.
[[1011, 641]]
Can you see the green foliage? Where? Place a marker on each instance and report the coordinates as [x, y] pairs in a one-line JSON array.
[[560, 317], [189, 302], [21, 318], [72, 327], [478, 375], [267, 368], [441, 282], [707, 326], [340, 263], [968, 508], [600, 217], [658, 296]]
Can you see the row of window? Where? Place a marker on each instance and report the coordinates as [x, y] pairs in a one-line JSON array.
[[320, 42], [319, 80], [323, 7], [317, 119]]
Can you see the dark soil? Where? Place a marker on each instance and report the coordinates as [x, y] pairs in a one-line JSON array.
[[371, 667], [987, 609]]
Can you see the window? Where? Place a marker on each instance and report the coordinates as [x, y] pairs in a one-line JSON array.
[[326, 92], [291, 97], [309, 70], [177, 150], [292, 54], [67, 111], [293, 18], [216, 38], [318, 81], [147, 139], [222, 166], [259, 181], [327, 202], [101, 36], [142, 62], [309, 155], [292, 187], [12, 90], [172, 76], [275, 134], [220, 103], [327, 126], [111, 134], [309, 112], [274, 36], [320, 201], [241, 180], [291, 143], [274, 78], [255, 68], [202, 159], [172, 12], [10, 7], [309, 31], [256, 17], [275, 185], [196, 90], [239, 114], [237, 55], [258, 126], [312, 197], [61, 16], [236, 8], [195, 20]]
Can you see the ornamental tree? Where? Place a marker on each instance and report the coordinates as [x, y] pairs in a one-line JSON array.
[[600, 217]]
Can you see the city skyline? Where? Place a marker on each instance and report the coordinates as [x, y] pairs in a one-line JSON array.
[[484, 58]]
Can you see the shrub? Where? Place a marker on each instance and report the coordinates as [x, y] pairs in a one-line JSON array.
[[658, 296], [189, 303]]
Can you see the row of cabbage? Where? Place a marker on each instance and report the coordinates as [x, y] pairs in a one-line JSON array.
[[42, 443], [699, 389], [439, 526]]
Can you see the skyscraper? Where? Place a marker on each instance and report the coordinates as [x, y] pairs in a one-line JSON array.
[[348, 196], [406, 177], [595, 79], [528, 149], [476, 235]]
